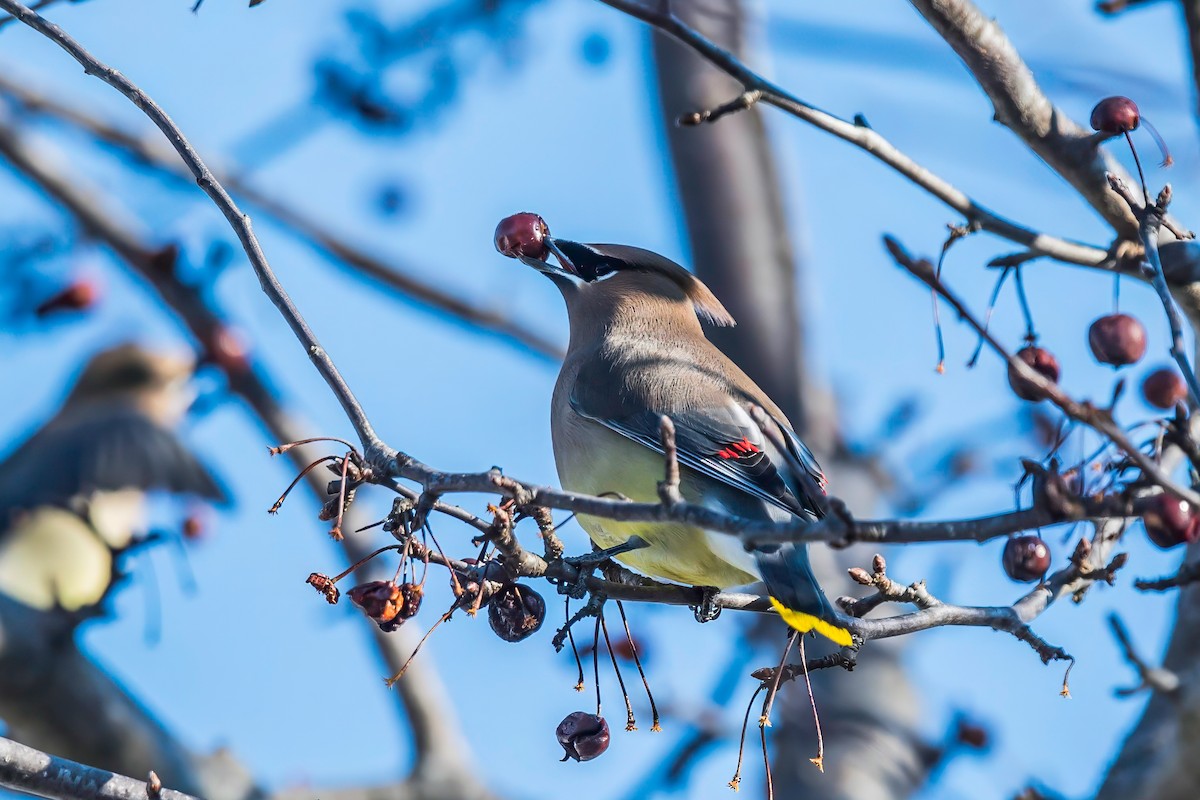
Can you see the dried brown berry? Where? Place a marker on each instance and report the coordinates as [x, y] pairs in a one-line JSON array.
[[1171, 521], [324, 584], [379, 600], [516, 612], [411, 593], [1043, 362], [523, 234], [971, 735], [1163, 388], [1117, 339], [77, 296], [1115, 115], [1026, 558], [583, 736]]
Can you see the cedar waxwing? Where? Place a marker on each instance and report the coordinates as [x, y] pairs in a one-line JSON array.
[[637, 352], [73, 493]]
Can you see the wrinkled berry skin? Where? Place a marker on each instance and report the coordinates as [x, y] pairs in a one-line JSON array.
[[1163, 388], [1116, 115], [1026, 558], [516, 612], [523, 234], [583, 736], [1043, 362], [1117, 339], [1171, 521], [380, 601]]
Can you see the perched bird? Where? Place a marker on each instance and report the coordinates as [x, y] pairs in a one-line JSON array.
[[73, 493], [638, 352]]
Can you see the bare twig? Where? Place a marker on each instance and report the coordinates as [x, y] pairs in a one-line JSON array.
[[759, 89], [1187, 573], [1096, 418]]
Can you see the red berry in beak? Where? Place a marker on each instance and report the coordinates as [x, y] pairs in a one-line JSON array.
[[1116, 115], [1043, 362], [583, 736], [1117, 339], [1171, 521], [523, 234], [1163, 388], [1026, 558]]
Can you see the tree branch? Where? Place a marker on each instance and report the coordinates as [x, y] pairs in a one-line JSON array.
[[863, 137], [24, 769]]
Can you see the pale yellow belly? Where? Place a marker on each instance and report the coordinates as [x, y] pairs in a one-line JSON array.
[[600, 461]]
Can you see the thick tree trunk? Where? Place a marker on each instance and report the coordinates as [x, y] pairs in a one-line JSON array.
[[741, 247]]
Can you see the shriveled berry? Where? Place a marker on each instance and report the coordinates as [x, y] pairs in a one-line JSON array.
[[1163, 388], [1115, 115], [1117, 339], [411, 594], [80, 295], [516, 612], [1041, 361], [379, 600], [583, 736], [523, 234], [325, 585], [1026, 558], [1171, 521]]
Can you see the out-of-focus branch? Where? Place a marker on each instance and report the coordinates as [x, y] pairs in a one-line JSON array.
[[441, 749], [152, 152], [47, 686], [1191, 21], [24, 769], [1150, 678], [862, 136]]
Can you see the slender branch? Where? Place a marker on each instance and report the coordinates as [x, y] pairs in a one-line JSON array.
[[239, 221], [38, 6], [1152, 678], [1187, 573], [759, 89], [165, 161], [1098, 419], [24, 769]]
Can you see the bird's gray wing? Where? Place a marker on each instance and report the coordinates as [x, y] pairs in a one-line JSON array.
[[100, 449], [714, 434]]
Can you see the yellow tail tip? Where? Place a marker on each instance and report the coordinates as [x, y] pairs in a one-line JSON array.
[[807, 622]]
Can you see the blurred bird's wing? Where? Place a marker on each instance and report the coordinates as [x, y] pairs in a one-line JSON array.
[[96, 449], [716, 436]]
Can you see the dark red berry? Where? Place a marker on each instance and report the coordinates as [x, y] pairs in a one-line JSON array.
[[379, 600], [1163, 388], [972, 735], [1043, 362], [1115, 115], [77, 296], [1171, 521], [516, 612], [1026, 558], [226, 348], [583, 736], [523, 234], [1117, 339]]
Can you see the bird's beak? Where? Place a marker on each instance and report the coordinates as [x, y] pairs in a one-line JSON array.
[[564, 266]]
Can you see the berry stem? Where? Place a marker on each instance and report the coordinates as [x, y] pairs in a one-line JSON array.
[[1138, 162], [1030, 333]]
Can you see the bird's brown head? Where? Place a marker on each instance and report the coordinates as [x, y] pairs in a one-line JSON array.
[[526, 237], [129, 372]]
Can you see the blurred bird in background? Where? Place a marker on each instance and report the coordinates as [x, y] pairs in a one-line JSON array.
[[73, 495], [637, 353]]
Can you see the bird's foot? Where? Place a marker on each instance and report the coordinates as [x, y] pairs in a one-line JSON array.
[[586, 564], [708, 609]]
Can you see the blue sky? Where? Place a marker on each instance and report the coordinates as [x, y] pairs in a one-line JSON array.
[[254, 655]]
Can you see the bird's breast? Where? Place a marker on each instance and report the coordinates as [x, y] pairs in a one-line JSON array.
[[593, 459]]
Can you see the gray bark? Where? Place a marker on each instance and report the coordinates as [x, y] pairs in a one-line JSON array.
[[741, 247]]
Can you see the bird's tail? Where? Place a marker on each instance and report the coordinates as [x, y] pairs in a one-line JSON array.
[[795, 593]]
